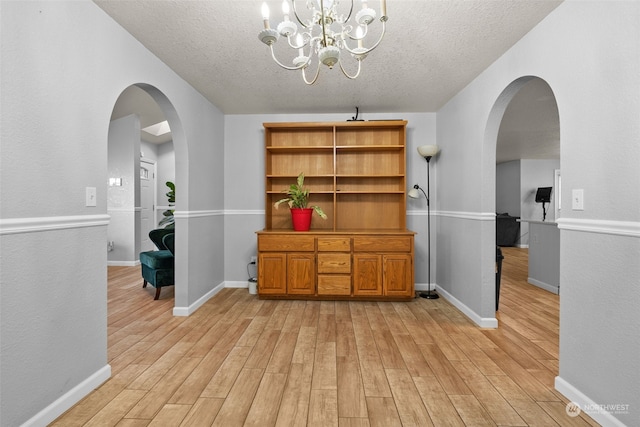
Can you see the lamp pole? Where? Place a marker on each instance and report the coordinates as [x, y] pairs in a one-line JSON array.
[[428, 295]]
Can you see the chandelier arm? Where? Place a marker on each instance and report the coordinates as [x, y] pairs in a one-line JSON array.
[[295, 13], [372, 47], [291, 45], [299, 67], [350, 12], [345, 71], [304, 75]]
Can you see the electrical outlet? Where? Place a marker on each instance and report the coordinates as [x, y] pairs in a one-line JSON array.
[[254, 259]]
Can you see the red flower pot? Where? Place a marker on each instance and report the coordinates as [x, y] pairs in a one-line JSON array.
[[301, 218]]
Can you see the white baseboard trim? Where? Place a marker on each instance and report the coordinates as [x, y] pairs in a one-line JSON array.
[[595, 410], [123, 263], [483, 322], [545, 286], [70, 398], [187, 311], [419, 287], [237, 284]]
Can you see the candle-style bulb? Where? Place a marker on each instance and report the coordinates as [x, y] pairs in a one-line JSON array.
[[265, 15], [299, 44]]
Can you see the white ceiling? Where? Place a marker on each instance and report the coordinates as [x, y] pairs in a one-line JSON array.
[[432, 50]]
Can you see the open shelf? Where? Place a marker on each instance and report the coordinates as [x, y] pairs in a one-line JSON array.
[[355, 171]]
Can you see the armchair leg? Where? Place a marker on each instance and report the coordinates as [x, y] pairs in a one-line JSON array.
[[144, 285], [157, 293]]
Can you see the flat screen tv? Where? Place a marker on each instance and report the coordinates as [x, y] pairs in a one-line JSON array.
[[543, 195]]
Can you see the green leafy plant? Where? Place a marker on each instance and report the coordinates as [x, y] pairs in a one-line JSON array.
[[169, 221], [298, 197]]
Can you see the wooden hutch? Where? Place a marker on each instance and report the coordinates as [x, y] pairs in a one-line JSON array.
[[356, 172]]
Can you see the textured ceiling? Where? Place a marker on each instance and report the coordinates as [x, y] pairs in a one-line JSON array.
[[432, 49]]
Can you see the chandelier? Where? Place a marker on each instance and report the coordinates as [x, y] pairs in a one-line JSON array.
[[325, 34]]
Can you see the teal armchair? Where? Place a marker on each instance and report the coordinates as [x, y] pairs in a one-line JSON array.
[[158, 266]]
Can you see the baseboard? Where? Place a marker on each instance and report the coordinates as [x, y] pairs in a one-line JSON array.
[[187, 311], [423, 287], [236, 284], [547, 287], [596, 411], [70, 398], [123, 263], [483, 322]]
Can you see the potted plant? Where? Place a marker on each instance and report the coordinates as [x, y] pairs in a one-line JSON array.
[[298, 200], [169, 221]]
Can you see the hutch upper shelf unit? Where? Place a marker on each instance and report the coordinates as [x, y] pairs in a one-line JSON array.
[[356, 172]]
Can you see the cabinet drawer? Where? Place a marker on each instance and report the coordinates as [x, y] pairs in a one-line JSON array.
[[334, 244], [334, 285], [286, 243], [334, 263], [382, 244]]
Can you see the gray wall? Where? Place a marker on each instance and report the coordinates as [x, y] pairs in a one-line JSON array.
[[534, 174], [585, 51], [64, 65], [123, 157], [516, 185], [508, 188]]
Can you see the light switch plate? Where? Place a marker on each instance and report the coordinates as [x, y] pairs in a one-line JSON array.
[[91, 196], [577, 200]]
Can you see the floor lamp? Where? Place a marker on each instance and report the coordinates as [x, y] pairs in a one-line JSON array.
[[426, 151]]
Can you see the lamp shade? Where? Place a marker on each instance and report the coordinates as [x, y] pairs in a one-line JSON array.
[[428, 150], [413, 193]]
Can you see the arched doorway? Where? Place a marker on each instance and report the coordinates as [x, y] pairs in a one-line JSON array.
[[134, 156], [524, 126]]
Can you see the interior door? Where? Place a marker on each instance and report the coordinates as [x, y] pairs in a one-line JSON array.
[[147, 203]]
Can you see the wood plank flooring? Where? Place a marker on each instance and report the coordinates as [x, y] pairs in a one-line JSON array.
[[240, 361]]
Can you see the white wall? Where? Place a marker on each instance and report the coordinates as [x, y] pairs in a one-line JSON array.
[[244, 183], [64, 65], [586, 52]]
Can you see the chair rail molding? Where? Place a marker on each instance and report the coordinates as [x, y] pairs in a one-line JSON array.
[[197, 214], [39, 224], [475, 216], [618, 228]]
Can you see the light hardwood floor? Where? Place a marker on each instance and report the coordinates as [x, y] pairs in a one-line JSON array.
[[240, 361]]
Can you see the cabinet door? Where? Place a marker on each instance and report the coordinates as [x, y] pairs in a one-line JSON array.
[[397, 275], [272, 273], [367, 274], [301, 274]]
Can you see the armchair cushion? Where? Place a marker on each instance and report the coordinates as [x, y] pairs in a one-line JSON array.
[[157, 259]]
